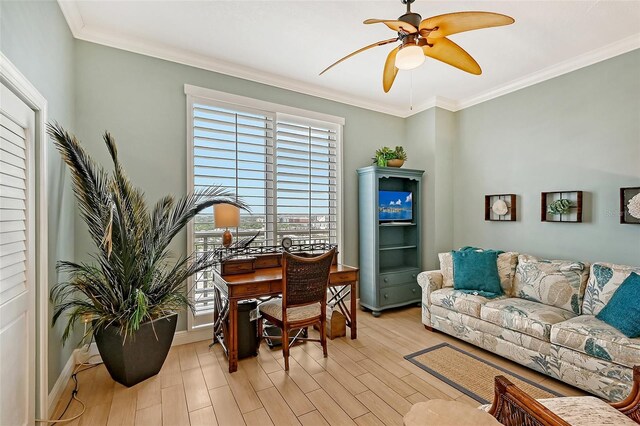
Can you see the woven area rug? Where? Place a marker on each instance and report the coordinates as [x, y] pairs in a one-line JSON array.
[[471, 374]]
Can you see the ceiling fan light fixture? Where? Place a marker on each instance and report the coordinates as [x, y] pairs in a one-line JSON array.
[[409, 57]]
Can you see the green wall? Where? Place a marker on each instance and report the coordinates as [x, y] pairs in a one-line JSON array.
[[579, 131], [430, 139], [35, 37], [141, 101]]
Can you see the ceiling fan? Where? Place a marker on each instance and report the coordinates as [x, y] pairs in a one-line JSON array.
[[420, 38]]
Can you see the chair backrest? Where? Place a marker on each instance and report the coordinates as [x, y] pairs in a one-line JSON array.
[[305, 280], [514, 407]]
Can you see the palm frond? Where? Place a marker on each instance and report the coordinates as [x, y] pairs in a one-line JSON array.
[[131, 279]]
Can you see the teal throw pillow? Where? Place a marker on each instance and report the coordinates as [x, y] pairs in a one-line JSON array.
[[475, 271], [623, 309]]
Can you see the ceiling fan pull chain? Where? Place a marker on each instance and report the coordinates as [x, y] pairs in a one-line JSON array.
[[411, 91]]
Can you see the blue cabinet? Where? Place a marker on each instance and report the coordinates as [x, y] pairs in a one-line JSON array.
[[390, 230]]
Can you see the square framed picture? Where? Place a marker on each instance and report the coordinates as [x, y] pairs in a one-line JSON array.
[[630, 205]]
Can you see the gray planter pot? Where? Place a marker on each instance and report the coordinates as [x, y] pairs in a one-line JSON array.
[[142, 355]]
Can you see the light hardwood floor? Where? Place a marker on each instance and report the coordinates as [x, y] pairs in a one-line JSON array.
[[362, 382]]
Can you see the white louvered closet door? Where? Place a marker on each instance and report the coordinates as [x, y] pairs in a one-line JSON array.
[[17, 247]]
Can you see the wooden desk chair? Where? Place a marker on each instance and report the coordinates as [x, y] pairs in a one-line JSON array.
[[512, 406], [304, 298]]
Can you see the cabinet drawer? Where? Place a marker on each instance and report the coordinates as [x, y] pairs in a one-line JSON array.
[[252, 290], [392, 279], [399, 294]]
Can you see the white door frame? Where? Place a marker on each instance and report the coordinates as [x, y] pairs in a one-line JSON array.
[[13, 79]]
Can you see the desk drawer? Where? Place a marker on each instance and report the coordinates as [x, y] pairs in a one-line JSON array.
[[399, 294], [396, 278], [344, 277], [258, 289]]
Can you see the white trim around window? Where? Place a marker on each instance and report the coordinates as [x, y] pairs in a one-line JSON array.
[[273, 116]]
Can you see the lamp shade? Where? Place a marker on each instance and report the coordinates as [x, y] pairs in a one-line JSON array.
[[226, 216]]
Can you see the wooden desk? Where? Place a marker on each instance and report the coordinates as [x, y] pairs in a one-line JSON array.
[[230, 289]]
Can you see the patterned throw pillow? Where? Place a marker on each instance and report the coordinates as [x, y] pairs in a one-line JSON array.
[[604, 280], [506, 270], [559, 283]]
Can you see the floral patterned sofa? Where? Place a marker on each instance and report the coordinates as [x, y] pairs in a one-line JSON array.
[[545, 320]]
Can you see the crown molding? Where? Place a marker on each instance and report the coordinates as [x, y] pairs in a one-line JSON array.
[[82, 32], [589, 58], [72, 16], [434, 102]]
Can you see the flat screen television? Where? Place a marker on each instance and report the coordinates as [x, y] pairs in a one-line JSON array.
[[395, 206]]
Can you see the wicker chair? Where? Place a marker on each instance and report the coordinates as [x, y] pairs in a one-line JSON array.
[[513, 407], [304, 298]]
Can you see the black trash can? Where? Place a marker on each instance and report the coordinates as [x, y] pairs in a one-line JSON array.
[[248, 341]]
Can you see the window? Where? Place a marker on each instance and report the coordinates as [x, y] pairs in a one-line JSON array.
[[283, 162], [306, 182]]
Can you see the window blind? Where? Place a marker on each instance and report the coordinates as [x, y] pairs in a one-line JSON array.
[[13, 211], [284, 166], [306, 182], [232, 148]]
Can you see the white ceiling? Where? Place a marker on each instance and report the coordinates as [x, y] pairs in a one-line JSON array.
[[287, 43]]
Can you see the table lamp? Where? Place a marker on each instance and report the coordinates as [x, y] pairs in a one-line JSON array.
[[226, 216]]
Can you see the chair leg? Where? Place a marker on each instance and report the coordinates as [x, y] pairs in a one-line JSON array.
[[285, 347], [323, 336]]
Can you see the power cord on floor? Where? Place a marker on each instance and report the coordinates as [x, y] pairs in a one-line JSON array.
[[74, 394], [74, 376]]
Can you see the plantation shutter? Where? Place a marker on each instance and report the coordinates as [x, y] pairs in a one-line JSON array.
[[306, 180], [13, 208], [283, 162], [232, 148]]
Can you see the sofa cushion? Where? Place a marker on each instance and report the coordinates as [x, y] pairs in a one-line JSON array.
[[582, 410], [506, 270], [458, 301], [525, 316], [586, 410], [476, 272], [604, 280], [558, 283], [623, 309], [593, 337]]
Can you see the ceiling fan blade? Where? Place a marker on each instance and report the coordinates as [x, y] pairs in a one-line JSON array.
[[390, 70], [450, 53], [395, 25], [452, 23], [376, 44]]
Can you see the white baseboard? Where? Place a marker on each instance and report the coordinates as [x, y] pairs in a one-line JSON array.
[[184, 337], [81, 355], [61, 383]]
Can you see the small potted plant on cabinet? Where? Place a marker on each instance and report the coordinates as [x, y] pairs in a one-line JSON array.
[[387, 157], [129, 295]]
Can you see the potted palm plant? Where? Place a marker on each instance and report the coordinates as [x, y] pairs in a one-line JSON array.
[[130, 293]]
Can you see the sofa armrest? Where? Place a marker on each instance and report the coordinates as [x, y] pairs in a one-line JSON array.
[[430, 281]]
